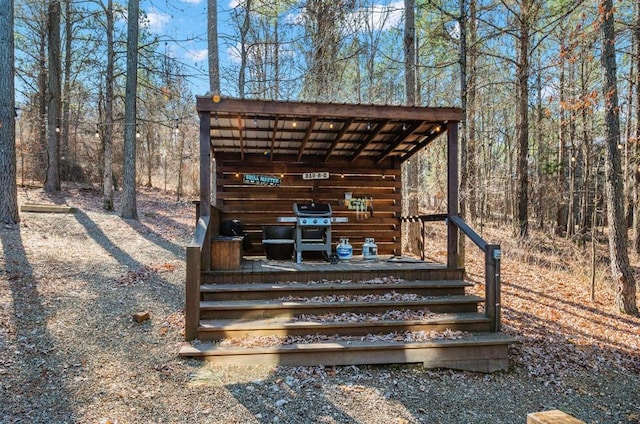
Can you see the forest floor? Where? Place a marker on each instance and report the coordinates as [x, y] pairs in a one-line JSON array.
[[71, 353]]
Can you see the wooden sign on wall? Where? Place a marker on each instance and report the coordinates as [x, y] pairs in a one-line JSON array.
[[256, 179], [315, 176]]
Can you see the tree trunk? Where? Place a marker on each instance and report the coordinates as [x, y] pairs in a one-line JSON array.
[[107, 171], [129, 209], [470, 112], [212, 36], [42, 105], [410, 52], [244, 30], [53, 98], [65, 164], [625, 287], [411, 168], [522, 122], [561, 211], [464, 147], [636, 171], [8, 189]]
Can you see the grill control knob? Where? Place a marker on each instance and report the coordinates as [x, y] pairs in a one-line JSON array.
[[325, 221], [315, 221], [304, 221]]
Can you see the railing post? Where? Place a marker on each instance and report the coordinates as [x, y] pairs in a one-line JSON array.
[[492, 285], [452, 195], [192, 293]]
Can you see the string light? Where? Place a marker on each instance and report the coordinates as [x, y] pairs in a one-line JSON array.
[[294, 123]]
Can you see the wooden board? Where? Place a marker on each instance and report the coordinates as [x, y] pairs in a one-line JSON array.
[[552, 417], [36, 207], [226, 253]]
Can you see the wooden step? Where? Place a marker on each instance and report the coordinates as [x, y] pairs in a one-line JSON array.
[[256, 271], [210, 330], [261, 309], [483, 352], [271, 291]]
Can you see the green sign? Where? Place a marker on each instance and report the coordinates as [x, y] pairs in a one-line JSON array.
[[266, 180]]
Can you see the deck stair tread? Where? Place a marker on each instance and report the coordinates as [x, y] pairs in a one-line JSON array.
[[287, 322], [333, 286], [276, 304], [475, 338], [475, 351]]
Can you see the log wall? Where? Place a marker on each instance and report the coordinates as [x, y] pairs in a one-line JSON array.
[[258, 205]]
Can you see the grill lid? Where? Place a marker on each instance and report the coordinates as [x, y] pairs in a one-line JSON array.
[[312, 209]]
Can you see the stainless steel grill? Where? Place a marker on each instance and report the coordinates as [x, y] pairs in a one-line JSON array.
[[313, 228]]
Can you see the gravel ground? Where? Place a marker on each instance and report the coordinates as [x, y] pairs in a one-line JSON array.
[[70, 351]]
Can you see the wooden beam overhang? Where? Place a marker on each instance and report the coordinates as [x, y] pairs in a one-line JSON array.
[[338, 138], [274, 134], [337, 111], [363, 144], [425, 141], [297, 130], [307, 134], [398, 140], [240, 138]]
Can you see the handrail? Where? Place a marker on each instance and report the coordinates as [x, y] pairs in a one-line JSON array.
[[468, 231], [492, 255], [195, 251]]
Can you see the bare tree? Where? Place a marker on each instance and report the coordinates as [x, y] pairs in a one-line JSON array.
[[107, 133], [324, 28], [8, 189], [212, 35], [636, 173], [53, 97], [625, 286], [410, 52], [129, 209]]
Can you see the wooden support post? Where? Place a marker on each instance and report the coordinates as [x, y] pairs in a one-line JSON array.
[[492, 285], [192, 294], [452, 194], [205, 184]]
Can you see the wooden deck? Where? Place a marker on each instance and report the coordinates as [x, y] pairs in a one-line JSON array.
[[269, 298], [258, 269]]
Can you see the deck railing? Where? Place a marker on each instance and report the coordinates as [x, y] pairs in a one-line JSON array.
[[491, 253], [198, 259]]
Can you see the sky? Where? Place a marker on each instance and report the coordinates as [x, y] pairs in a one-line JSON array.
[[186, 22]]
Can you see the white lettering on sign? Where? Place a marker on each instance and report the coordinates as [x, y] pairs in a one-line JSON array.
[[260, 180], [315, 176]]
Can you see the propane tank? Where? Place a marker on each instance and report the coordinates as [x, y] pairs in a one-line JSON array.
[[369, 249], [344, 250]]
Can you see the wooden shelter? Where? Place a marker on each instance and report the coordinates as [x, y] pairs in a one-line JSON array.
[[264, 156], [318, 152]]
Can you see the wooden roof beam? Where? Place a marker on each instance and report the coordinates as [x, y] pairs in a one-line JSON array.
[[441, 129], [399, 139], [334, 110], [307, 135], [240, 139], [274, 132], [367, 141], [336, 141]]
